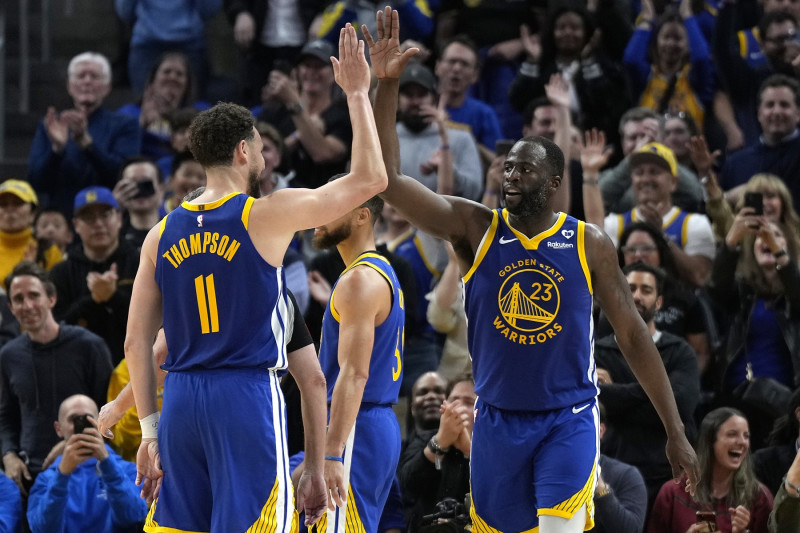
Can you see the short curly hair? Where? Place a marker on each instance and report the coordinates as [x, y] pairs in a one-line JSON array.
[[214, 133]]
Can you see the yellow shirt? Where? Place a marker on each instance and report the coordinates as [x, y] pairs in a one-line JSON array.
[[14, 247], [127, 432]]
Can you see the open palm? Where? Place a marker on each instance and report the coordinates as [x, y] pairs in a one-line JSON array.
[[388, 61]]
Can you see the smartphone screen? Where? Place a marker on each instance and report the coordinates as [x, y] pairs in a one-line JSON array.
[[756, 201], [145, 189], [80, 422]]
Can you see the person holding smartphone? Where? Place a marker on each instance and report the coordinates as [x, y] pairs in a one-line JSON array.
[[140, 194], [89, 487]]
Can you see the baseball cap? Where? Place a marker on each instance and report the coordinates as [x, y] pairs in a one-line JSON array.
[[94, 195], [656, 153], [320, 49], [419, 74], [20, 189]]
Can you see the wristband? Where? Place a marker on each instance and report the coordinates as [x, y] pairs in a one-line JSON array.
[[590, 181], [444, 147], [149, 425], [334, 458]]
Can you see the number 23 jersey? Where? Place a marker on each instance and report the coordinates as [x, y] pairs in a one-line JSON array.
[[529, 309]]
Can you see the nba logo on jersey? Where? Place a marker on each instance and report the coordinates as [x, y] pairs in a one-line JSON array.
[[199, 221]]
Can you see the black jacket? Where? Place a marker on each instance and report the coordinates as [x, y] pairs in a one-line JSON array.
[[35, 378], [74, 304], [635, 434], [739, 298], [422, 485]]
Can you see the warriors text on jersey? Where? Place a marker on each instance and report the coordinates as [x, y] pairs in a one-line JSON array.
[[529, 306]]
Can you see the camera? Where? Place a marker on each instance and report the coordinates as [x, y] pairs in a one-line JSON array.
[[451, 516]]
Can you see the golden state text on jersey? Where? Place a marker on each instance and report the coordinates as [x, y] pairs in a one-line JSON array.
[[529, 306]]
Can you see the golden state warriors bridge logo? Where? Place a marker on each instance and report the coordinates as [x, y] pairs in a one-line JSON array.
[[528, 302]]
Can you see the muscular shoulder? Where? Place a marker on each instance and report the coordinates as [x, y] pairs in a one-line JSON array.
[[362, 289]]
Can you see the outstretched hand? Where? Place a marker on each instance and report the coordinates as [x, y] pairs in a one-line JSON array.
[[683, 460], [351, 70], [388, 58], [594, 152]]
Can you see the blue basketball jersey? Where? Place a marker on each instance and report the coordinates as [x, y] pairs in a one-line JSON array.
[[386, 361], [676, 228], [224, 306], [750, 48], [409, 247], [529, 307]]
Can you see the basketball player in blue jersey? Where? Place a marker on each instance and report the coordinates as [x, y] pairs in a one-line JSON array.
[[531, 276], [211, 271], [361, 354]]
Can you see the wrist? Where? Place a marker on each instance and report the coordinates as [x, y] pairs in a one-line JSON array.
[[149, 425]]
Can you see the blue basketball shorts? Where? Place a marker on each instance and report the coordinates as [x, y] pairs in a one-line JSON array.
[[222, 440], [370, 461], [527, 464]]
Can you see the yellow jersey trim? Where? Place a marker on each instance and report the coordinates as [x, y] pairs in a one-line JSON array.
[[742, 43], [582, 254], [432, 269], [488, 238], [392, 246], [671, 219], [568, 508], [151, 526], [212, 205], [360, 261], [246, 211], [533, 242], [162, 225], [685, 230]]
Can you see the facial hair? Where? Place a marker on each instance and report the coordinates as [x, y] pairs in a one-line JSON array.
[[330, 238], [414, 122], [648, 313], [254, 183], [533, 202]]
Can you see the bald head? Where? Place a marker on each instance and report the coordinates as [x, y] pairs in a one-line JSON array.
[[77, 404]]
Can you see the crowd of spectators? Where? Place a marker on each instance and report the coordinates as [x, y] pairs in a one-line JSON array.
[[680, 122]]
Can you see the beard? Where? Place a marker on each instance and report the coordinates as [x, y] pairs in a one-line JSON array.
[[329, 239], [412, 121], [647, 314], [254, 183], [532, 203]]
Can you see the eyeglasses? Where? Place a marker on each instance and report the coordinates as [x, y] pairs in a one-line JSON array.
[[642, 249]]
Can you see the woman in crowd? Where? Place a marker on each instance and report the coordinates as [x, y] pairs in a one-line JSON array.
[[728, 497], [169, 87], [762, 297], [591, 67], [670, 67]]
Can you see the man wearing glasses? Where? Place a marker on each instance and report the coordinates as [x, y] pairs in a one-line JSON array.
[[94, 282]]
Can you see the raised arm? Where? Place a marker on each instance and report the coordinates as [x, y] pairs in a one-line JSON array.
[[452, 218], [637, 346], [289, 210]]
